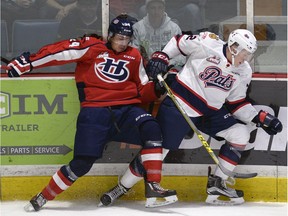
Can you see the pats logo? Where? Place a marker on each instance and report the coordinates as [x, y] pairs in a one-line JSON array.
[[112, 71], [212, 77]]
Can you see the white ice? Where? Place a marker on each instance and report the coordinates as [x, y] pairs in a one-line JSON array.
[[136, 208]]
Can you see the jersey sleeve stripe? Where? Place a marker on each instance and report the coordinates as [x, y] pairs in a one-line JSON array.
[[199, 104], [66, 55]]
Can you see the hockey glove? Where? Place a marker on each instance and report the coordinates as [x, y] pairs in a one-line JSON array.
[[20, 65], [268, 122], [169, 78], [158, 64]]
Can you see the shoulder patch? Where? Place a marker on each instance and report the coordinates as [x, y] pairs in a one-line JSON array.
[[213, 36], [213, 59]]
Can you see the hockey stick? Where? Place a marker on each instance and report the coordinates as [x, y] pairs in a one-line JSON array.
[[201, 138]]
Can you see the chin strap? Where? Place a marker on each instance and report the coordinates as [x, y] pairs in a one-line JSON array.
[[233, 55], [233, 60]]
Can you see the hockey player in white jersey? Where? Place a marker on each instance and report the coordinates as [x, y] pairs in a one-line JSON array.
[[211, 88]]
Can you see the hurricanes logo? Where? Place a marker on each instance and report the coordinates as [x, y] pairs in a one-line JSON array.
[[212, 77], [112, 71]]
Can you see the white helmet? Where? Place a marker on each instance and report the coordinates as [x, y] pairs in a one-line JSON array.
[[244, 39]]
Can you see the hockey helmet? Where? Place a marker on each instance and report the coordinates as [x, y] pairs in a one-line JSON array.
[[122, 24], [244, 40]]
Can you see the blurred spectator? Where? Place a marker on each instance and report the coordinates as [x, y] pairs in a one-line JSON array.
[[154, 31], [130, 7], [57, 9], [84, 19], [19, 10], [189, 14]]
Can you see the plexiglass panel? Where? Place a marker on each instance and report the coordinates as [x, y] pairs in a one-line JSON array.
[[157, 23]]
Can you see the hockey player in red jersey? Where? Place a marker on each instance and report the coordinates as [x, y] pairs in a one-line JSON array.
[[111, 81], [211, 88]]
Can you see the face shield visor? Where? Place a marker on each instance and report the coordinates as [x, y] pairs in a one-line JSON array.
[[122, 40], [240, 55], [245, 55]]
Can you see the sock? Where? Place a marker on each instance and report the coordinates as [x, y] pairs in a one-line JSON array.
[[57, 184], [152, 162]]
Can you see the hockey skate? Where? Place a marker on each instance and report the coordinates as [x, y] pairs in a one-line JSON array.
[[220, 194], [109, 197], [36, 203], [154, 191]]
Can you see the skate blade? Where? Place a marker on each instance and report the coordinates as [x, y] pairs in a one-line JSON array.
[[153, 202], [214, 200], [100, 204], [29, 208]]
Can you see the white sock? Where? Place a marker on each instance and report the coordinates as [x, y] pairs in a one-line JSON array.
[[128, 180]]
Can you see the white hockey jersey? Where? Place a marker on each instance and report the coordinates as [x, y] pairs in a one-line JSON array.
[[208, 80]]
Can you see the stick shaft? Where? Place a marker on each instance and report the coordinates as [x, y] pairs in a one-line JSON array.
[[199, 135]]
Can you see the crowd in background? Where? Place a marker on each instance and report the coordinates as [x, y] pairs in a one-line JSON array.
[[187, 14], [156, 21]]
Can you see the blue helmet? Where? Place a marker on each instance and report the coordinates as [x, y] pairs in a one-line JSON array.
[[122, 24]]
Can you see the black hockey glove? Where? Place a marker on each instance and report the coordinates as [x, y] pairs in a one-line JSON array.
[[169, 78], [20, 65], [268, 122], [158, 64]]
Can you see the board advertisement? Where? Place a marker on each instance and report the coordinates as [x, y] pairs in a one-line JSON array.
[[37, 121], [38, 118]]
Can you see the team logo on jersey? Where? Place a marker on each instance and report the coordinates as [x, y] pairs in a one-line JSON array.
[[112, 71], [213, 59], [103, 55], [212, 77]]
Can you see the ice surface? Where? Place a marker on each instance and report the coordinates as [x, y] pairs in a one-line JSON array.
[[136, 208]]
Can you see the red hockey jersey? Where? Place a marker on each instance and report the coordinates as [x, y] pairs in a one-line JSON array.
[[103, 77]]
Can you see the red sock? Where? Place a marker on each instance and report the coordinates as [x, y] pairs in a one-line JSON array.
[[152, 162], [58, 183]]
